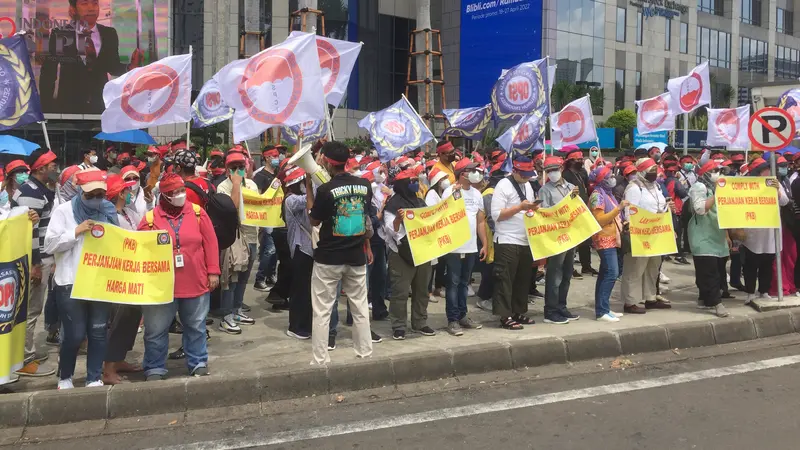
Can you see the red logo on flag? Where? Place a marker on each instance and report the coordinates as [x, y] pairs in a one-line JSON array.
[[518, 90], [213, 99], [727, 124], [654, 112], [141, 89], [572, 123], [329, 63], [691, 90], [393, 126], [13, 26], [523, 133], [272, 81]]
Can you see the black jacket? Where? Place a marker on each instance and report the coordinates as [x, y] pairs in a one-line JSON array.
[[580, 179]]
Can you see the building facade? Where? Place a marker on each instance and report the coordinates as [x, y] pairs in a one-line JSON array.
[[624, 49]]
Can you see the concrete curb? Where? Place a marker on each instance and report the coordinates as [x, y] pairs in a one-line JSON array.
[[180, 395]]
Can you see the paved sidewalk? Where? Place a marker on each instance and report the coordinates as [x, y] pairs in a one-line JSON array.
[[265, 346]]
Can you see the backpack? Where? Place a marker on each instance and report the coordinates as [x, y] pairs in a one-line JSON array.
[[222, 212]]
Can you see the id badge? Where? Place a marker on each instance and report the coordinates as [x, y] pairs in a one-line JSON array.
[[178, 260]]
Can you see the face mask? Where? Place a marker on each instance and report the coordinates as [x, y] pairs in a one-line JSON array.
[[651, 177], [375, 186], [93, 159], [688, 167], [274, 162], [303, 189], [631, 177], [380, 178], [239, 172], [358, 157], [128, 198], [611, 182], [413, 187], [444, 184], [21, 178], [3, 198], [657, 157], [135, 188], [124, 162], [151, 159], [93, 203], [177, 200], [53, 176], [554, 177], [423, 179], [713, 177], [475, 177], [783, 171], [594, 154]]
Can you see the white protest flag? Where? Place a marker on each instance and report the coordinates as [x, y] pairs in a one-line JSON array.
[[336, 60], [157, 94], [692, 91], [655, 114], [281, 85], [574, 124], [551, 76], [728, 127]]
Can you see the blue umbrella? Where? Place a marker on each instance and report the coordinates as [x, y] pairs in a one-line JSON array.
[[789, 149], [130, 136], [12, 145]]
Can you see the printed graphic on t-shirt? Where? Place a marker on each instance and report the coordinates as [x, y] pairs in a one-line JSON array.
[[350, 218]]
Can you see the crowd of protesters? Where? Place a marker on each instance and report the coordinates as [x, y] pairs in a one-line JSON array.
[[345, 240]]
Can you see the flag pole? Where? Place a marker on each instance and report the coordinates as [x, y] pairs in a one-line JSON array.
[[436, 141], [330, 123], [189, 123], [550, 107], [686, 134], [46, 137]]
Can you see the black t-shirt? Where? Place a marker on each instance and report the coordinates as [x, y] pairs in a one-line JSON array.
[[263, 179], [342, 205]]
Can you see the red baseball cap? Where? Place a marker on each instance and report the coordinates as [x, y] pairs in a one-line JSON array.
[[465, 164], [44, 160], [711, 165], [116, 184], [553, 161], [645, 164], [90, 180], [235, 157], [446, 146], [405, 175], [67, 173], [17, 165]]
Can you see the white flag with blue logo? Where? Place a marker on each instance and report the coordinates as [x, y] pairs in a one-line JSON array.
[[209, 107], [396, 130]]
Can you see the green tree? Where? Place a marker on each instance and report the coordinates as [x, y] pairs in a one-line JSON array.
[[624, 121]]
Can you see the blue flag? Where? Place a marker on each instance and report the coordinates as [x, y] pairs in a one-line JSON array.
[[468, 122], [209, 107], [521, 90], [19, 99], [396, 130], [312, 131]]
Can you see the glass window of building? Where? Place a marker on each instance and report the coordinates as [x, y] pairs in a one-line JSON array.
[[638, 80], [753, 56], [619, 97], [785, 21], [751, 12], [667, 34], [710, 6], [187, 30], [684, 38], [715, 46], [621, 14], [639, 27], [787, 63]]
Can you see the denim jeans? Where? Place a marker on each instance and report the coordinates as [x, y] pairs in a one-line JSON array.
[[556, 282], [157, 319], [459, 272], [51, 322], [233, 297], [267, 258], [609, 271], [81, 320]]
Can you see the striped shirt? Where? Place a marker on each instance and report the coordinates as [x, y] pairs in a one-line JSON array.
[[39, 198]]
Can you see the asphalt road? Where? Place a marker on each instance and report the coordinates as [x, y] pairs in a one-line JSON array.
[[731, 397]]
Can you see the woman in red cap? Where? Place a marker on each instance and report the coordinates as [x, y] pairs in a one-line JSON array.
[[80, 319], [194, 245], [124, 319]]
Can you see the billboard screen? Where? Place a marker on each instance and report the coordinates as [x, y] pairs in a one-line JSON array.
[[495, 35], [78, 45]]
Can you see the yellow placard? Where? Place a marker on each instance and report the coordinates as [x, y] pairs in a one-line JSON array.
[[130, 267], [651, 234], [552, 231], [747, 202], [15, 260], [437, 230], [263, 210]]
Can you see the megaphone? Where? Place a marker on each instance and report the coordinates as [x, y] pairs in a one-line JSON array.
[[304, 160]]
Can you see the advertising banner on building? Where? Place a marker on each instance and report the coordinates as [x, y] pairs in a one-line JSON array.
[[75, 50]]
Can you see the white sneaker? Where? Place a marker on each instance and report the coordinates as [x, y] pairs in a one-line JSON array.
[[485, 305], [766, 296], [470, 291], [369, 305], [750, 298], [663, 278], [721, 311], [607, 318], [65, 384], [432, 298], [616, 314], [98, 383], [229, 326]]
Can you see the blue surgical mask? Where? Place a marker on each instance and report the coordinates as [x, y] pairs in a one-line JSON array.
[[93, 203], [21, 178], [3, 197], [783, 171], [274, 162], [413, 187]]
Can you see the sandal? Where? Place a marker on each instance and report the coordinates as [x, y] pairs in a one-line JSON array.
[[510, 324], [523, 319]]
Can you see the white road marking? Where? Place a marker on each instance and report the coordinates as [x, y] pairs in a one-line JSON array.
[[286, 437]]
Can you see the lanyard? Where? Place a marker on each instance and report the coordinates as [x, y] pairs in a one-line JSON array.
[[125, 215], [176, 229]]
